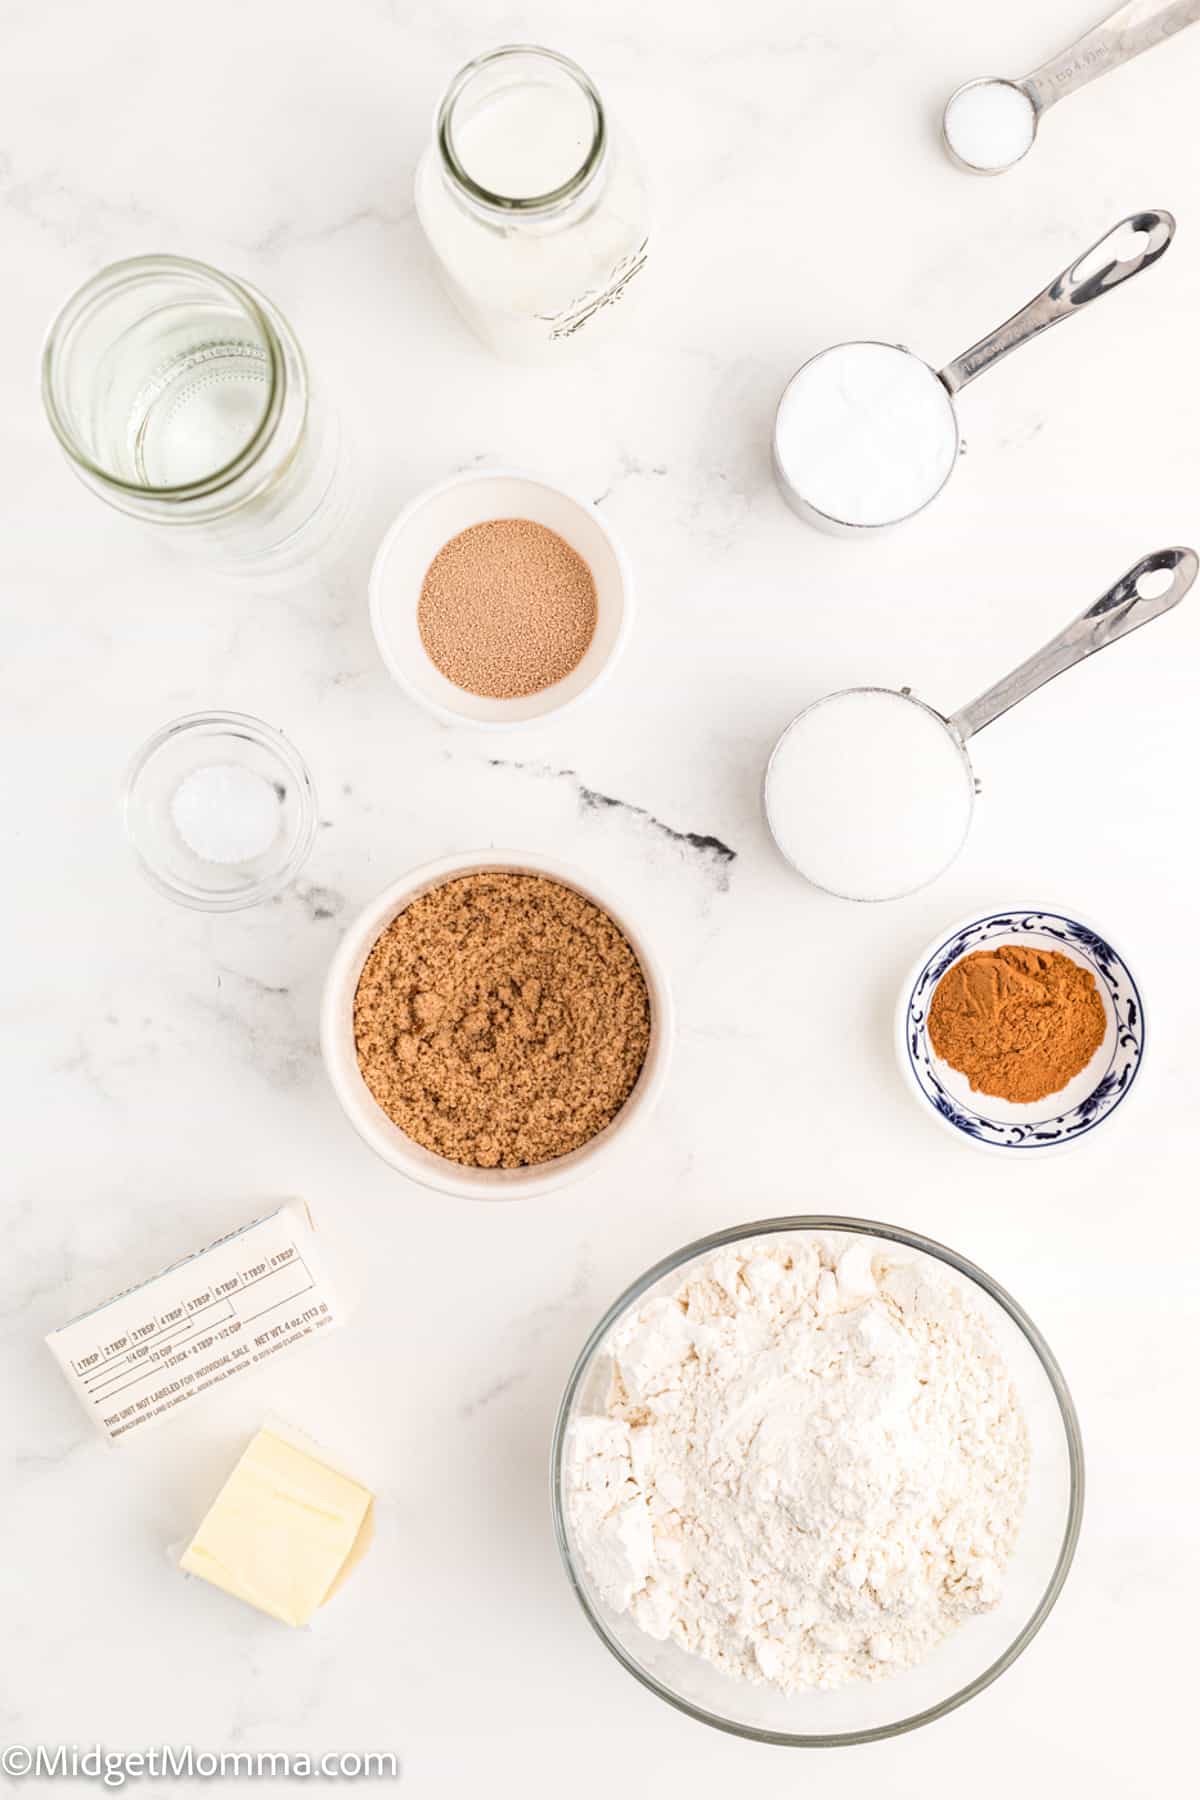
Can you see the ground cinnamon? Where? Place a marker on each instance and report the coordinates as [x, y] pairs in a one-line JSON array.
[[1018, 1022]]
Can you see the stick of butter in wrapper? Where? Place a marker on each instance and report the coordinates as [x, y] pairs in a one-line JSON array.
[[214, 1315], [285, 1530]]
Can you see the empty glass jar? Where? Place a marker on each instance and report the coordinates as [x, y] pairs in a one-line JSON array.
[[535, 207], [182, 398]]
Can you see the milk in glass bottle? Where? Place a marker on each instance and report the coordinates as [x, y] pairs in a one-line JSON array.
[[535, 207]]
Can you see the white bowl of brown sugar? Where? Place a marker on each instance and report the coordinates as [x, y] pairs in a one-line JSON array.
[[494, 1026], [497, 599]]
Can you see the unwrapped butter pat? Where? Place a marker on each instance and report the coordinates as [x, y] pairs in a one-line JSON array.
[[283, 1532]]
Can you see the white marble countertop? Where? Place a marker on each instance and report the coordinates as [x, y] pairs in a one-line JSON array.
[[161, 1074]]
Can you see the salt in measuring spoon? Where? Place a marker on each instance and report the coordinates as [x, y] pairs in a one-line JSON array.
[[869, 792], [866, 433], [990, 123]]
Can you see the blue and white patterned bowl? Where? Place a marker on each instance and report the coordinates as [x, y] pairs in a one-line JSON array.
[[1060, 1119]]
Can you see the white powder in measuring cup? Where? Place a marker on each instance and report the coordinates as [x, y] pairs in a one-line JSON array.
[[225, 813], [868, 794], [866, 433], [990, 125]]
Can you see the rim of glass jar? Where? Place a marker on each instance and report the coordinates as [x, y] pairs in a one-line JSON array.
[[128, 270], [913, 1240], [532, 203]]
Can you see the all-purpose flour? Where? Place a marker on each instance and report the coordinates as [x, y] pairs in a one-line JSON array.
[[811, 1466]]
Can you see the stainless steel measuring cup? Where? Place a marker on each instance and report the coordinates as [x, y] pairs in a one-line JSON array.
[[1138, 26], [1150, 588], [1131, 246]]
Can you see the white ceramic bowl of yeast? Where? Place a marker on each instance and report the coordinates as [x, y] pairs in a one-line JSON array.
[[430, 521], [402, 1152]]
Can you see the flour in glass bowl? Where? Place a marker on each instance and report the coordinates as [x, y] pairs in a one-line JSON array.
[[811, 1466]]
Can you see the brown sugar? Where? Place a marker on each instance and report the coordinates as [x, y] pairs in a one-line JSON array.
[[1018, 1022], [507, 608], [501, 1020]]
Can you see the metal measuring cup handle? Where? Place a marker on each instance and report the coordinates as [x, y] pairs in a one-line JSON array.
[[1087, 278], [1118, 612], [1116, 40]]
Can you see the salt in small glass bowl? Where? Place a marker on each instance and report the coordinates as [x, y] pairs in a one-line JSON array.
[[1063, 1118], [971, 1657], [207, 740]]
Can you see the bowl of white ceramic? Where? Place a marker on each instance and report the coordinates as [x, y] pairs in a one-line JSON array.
[[426, 525], [965, 1662], [393, 1145], [1061, 1119]]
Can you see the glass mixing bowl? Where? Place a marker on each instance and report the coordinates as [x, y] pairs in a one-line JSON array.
[[966, 1661]]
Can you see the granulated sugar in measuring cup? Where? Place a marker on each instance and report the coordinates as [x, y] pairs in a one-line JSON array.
[[990, 123], [869, 792], [867, 434]]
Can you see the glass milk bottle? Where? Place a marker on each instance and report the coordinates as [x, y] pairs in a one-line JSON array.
[[536, 209], [182, 398]]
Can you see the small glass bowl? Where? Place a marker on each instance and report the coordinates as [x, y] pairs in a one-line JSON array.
[[205, 740], [965, 1662]]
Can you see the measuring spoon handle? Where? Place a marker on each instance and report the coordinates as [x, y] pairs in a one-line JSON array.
[[1116, 40], [1096, 272], [1113, 616]]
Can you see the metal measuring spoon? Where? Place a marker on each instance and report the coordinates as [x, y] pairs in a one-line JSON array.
[[816, 451], [799, 780], [989, 124]]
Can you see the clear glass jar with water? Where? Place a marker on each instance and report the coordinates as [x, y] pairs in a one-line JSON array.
[[182, 398], [534, 204]]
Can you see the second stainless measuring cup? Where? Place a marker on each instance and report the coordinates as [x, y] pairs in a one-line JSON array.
[[869, 792], [866, 433]]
